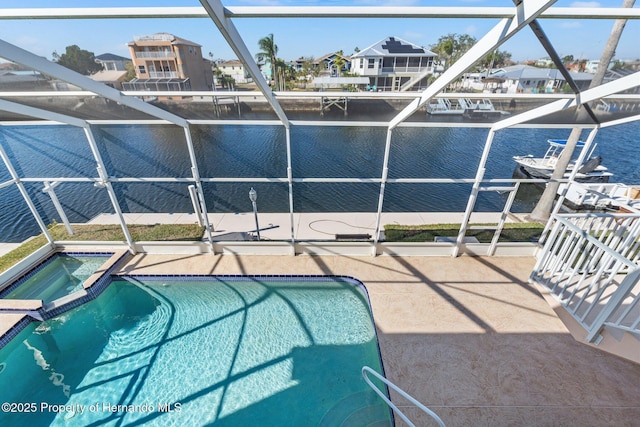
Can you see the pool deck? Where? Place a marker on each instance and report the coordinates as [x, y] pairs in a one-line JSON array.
[[468, 337]]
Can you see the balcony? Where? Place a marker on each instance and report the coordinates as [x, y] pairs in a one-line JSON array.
[[391, 70], [163, 74], [155, 55]]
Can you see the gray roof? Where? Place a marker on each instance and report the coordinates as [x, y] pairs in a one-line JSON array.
[[519, 72], [394, 46], [111, 57]]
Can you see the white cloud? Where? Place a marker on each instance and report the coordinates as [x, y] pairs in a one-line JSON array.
[[471, 30], [27, 41], [412, 36], [585, 4]]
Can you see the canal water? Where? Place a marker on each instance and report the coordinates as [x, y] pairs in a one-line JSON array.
[[234, 151]]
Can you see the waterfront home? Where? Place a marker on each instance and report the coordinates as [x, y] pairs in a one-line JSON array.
[[236, 70], [111, 62], [393, 63], [114, 71], [163, 61], [527, 79]]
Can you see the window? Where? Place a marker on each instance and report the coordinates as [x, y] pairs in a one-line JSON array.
[[371, 63], [361, 62], [141, 69]]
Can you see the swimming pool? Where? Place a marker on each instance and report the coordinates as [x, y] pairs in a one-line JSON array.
[[59, 275], [267, 351]]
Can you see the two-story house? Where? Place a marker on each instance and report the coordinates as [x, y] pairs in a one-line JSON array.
[[114, 70], [392, 63], [331, 64], [111, 62], [234, 69], [163, 61]]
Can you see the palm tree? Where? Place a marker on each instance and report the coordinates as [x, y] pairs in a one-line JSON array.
[[281, 72], [542, 211], [269, 50], [339, 62]]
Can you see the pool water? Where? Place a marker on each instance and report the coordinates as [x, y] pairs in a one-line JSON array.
[[230, 351], [60, 275]]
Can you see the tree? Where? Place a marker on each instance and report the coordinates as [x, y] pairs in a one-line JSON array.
[[339, 62], [309, 68], [567, 59], [542, 211], [131, 71], [451, 47], [79, 60], [269, 50], [496, 59]]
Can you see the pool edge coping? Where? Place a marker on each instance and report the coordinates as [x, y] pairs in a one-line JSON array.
[[92, 288]]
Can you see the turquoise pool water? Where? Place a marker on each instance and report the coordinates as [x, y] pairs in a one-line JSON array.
[[60, 275], [187, 352]]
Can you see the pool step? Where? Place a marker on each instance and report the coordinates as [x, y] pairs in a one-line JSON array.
[[357, 410]]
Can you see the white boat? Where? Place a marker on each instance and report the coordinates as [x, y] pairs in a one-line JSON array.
[[602, 196], [480, 109], [542, 167]]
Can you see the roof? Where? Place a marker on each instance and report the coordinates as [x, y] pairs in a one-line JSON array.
[[329, 55], [108, 76], [20, 73], [519, 72], [158, 38], [233, 62], [394, 46], [111, 57]]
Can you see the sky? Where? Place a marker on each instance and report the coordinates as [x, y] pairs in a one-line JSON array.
[[305, 37]]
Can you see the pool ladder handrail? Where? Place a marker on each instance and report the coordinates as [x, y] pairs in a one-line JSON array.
[[366, 369]]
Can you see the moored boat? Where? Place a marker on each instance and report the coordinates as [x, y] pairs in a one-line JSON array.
[[601, 196], [542, 167], [480, 109]]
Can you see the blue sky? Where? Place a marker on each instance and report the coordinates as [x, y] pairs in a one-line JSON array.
[[309, 37]]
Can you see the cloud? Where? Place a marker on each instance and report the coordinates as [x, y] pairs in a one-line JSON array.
[[471, 29], [585, 4], [412, 35], [28, 40]]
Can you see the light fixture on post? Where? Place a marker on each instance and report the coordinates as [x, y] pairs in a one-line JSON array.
[[253, 196]]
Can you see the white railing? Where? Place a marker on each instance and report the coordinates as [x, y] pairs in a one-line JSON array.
[[405, 69], [366, 369], [163, 74], [154, 55], [590, 264]]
